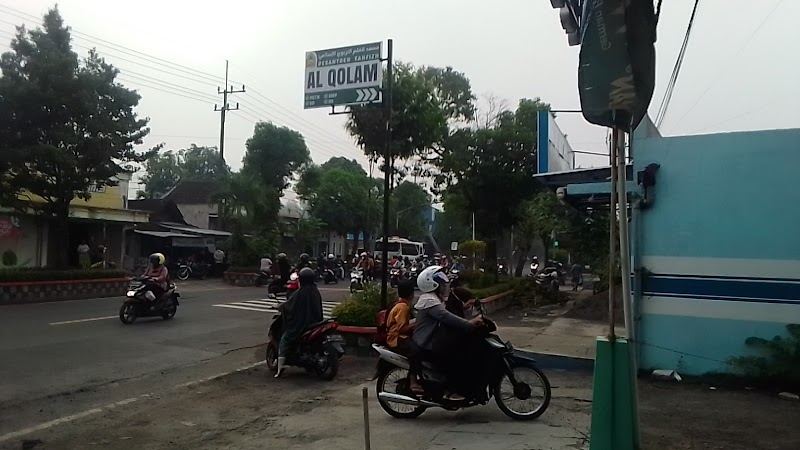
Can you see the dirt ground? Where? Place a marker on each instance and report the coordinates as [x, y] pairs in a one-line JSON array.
[[251, 410], [681, 416], [594, 307]]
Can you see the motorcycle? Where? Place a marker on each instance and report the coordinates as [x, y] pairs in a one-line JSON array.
[[293, 285], [513, 376], [453, 276], [328, 276], [548, 278], [141, 302], [318, 350], [187, 270], [339, 270], [395, 276], [413, 274], [263, 279], [502, 269], [356, 280]]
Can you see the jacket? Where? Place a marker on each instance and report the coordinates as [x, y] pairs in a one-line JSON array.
[[431, 313]]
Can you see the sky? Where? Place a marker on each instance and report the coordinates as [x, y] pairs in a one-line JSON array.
[[740, 71]]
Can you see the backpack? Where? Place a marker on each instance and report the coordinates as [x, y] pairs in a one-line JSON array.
[[382, 329]]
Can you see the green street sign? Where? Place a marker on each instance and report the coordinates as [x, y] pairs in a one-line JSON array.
[[343, 76]]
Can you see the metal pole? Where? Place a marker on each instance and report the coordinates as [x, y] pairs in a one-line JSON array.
[[473, 226], [222, 115], [612, 241], [387, 158], [365, 402], [624, 251]]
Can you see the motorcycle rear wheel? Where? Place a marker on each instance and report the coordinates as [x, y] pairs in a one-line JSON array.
[[272, 356], [523, 390], [170, 312], [397, 378], [331, 368]]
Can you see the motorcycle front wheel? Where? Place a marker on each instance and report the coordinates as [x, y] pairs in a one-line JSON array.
[[395, 381], [127, 313], [183, 275], [528, 399]]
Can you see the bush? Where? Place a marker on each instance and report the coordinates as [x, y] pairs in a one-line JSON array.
[[475, 279], [780, 369], [9, 258], [528, 293], [46, 274], [362, 307]]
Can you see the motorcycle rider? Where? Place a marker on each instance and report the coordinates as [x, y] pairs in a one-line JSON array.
[[432, 315], [457, 264], [266, 265], [302, 309], [284, 269], [157, 275], [398, 324], [303, 262]]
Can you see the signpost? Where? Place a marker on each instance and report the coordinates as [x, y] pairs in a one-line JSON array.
[[344, 76], [354, 76]]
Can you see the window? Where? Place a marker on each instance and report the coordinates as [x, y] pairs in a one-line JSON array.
[[410, 250], [392, 247]]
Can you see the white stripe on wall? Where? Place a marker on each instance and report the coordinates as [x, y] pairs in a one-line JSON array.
[[745, 268], [722, 309]]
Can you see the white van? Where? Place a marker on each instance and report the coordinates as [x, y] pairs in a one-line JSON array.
[[401, 248]]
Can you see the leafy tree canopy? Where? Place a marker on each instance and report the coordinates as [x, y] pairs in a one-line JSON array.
[[65, 124], [424, 100], [409, 204], [165, 169], [274, 153]]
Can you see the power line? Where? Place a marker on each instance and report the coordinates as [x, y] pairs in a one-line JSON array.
[[724, 71], [662, 112]]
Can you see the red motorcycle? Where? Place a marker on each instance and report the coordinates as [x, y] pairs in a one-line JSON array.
[[317, 351], [293, 285]]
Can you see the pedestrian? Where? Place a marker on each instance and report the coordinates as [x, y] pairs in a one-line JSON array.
[[577, 275], [219, 261], [84, 260]]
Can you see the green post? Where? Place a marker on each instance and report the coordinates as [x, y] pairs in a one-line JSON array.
[[614, 411]]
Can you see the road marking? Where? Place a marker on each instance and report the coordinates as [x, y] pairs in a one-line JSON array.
[[80, 415], [271, 306], [83, 320]]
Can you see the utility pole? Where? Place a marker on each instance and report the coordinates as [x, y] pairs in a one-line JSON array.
[[222, 110], [387, 186]]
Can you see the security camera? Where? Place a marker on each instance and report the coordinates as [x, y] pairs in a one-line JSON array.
[[561, 193]]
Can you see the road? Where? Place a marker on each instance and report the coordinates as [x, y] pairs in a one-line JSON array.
[[62, 357]]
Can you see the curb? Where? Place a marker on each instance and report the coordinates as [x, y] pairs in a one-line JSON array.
[[52, 282], [556, 361]]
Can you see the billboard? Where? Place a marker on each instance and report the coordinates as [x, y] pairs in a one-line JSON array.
[[554, 152], [343, 76]]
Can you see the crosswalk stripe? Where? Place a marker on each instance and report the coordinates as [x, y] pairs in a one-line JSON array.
[[271, 306]]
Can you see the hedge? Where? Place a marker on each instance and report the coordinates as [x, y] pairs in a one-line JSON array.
[[30, 274], [361, 309]]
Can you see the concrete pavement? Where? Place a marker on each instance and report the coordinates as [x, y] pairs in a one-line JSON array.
[[58, 357]]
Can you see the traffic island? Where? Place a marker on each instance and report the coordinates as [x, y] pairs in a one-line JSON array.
[[24, 287], [240, 278]]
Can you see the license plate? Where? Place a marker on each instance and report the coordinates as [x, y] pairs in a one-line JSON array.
[[334, 338]]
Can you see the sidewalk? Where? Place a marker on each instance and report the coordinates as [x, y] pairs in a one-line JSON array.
[[573, 338]]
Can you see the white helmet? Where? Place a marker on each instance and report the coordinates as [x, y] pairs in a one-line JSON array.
[[330, 256], [430, 278]]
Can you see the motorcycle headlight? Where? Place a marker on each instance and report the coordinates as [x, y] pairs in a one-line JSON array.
[[131, 293]]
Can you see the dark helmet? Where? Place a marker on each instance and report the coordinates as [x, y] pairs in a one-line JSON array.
[[306, 276], [281, 255], [304, 257]]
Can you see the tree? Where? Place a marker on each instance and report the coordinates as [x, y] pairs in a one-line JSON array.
[[341, 195], [164, 170], [409, 204], [274, 153], [489, 171], [424, 102], [68, 126], [541, 218]]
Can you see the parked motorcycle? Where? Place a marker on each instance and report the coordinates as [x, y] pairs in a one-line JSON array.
[[548, 278], [192, 270], [141, 302], [318, 350], [520, 389], [356, 280]]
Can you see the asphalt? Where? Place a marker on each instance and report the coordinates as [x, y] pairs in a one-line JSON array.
[[60, 357]]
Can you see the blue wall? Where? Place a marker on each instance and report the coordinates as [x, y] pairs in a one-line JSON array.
[[722, 243]]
